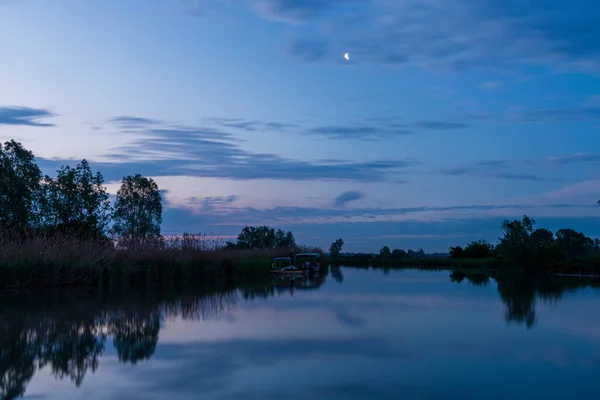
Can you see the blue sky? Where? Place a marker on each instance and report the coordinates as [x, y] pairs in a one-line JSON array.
[[448, 117]]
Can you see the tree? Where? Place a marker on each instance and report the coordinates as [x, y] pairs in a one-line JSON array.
[[336, 247], [284, 239], [256, 237], [516, 246], [138, 210], [541, 235], [385, 252], [76, 201], [457, 252], [20, 185], [573, 243], [399, 254], [479, 249]]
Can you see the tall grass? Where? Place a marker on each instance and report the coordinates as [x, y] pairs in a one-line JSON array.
[[66, 260]]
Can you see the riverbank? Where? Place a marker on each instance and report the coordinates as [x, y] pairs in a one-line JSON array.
[[580, 266], [67, 262]]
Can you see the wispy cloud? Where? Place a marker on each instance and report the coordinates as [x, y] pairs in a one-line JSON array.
[[433, 228], [347, 197], [457, 35], [381, 129], [252, 125], [582, 113], [158, 149], [125, 121], [367, 133], [498, 169], [25, 116], [575, 158]]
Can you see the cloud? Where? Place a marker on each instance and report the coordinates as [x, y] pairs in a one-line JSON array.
[[290, 215], [356, 132], [575, 158], [125, 121], [498, 169], [381, 129], [347, 197], [574, 114], [441, 125], [252, 125], [160, 149], [367, 229], [457, 35], [25, 116], [292, 10]]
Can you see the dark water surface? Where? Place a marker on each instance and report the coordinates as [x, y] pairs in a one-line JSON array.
[[352, 334]]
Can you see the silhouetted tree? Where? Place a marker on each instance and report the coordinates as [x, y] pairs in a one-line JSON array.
[[573, 243], [138, 210], [20, 183], [76, 201], [336, 247], [516, 245], [541, 235], [385, 252], [479, 249], [284, 239], [457, 252], [399, 254]]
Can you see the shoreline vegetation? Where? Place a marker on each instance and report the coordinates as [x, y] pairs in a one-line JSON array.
[[65, 231], [522, 248]]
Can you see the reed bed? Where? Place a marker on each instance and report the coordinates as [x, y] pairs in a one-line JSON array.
[[62, 260]]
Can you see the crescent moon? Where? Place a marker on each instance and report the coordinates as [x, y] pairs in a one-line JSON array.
[[346, 56]]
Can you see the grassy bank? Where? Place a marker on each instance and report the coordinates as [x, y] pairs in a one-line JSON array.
[[65, 261]]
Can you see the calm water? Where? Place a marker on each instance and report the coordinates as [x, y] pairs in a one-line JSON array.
[[352, 334]]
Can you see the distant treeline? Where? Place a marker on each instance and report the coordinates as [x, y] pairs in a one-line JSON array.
[[522, 246], [536, 249]]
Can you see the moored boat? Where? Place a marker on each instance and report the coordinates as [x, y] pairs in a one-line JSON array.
[[283, 266], [307, 261]]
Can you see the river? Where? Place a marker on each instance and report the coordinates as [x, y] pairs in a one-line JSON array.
[[348, 334]]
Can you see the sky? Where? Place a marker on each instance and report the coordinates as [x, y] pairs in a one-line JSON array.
[[448, 117]]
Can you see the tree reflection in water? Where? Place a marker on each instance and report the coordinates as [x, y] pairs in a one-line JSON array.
[[67, 331], [519, 292]]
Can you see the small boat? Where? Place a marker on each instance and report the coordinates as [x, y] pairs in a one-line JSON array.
[[311, 263], [283, 266]]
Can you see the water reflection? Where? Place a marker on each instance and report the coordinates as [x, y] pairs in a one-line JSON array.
[[519, 292], [386, 316], [68, 330]]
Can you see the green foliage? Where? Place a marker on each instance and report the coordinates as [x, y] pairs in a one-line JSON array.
[[138, 211], [19, 187], [76, 201], [336, 247]]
